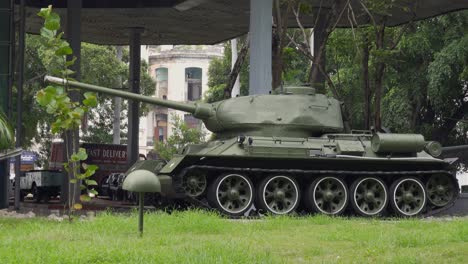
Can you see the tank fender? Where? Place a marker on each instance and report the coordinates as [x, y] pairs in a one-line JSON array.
[[172, 164]]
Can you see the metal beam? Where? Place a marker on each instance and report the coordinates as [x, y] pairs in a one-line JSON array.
[[73, 34], [117, 105], [5, 46], [133, 106], [260, 46]]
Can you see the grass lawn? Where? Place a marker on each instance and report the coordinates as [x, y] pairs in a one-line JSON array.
[[202, 237]]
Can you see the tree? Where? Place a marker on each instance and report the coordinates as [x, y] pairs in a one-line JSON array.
[[219, 73], [182, 135], [101, 68], [6, 133]]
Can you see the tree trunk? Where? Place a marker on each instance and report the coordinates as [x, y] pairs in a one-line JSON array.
[[378, 80], [236, 69], [276, 60], [441, 134], [236, 87], [366, 83]]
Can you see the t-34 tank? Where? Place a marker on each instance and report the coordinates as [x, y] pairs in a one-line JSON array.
[[290, 149]]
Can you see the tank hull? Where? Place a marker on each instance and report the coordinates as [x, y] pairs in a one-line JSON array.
[[302, 162]]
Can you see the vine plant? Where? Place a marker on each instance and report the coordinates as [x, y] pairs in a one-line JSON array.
[[68, 114]]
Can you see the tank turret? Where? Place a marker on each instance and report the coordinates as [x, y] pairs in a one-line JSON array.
[[297, 112]]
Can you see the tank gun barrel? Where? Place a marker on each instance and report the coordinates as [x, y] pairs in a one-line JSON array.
[[455, 148], [199, 110]]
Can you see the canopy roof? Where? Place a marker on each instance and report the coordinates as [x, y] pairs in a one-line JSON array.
[[205, 21]]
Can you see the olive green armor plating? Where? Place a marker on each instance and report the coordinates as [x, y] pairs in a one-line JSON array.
[[275, 152]]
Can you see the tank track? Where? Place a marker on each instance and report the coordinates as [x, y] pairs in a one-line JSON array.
[[202, 201]]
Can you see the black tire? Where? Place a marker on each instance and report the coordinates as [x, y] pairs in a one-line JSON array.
[[22, 195], [46, 196], [375, 203], [312, 203], [216, 190], [398, 198], [284, 200]]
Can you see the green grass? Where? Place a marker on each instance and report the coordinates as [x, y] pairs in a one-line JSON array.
[[202, 237]]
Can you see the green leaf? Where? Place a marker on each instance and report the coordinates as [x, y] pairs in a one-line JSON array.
[[70, 62], [78, 206], [85, 198], [46, 33], [93, 192], [91, 182], [66, 72], [92, 167], [64, 50], [52, 21], [45, 12], [73, 181], [90, 99], [82, 154]]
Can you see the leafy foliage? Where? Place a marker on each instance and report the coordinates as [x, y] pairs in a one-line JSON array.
[[67, 113], [182, 135], [6, 133]]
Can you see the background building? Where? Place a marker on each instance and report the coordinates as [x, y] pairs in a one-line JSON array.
[[181, 74]]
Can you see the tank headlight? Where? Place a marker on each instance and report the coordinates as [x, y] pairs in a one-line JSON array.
[[434, 148], [240, 139]]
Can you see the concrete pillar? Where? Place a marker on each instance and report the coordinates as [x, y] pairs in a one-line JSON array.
[[236, 88], [5, 45], [133, 107], [260, 46]]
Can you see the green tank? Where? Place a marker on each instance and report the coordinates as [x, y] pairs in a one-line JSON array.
[[285, 151]]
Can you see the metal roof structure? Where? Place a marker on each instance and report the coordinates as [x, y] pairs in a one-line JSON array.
[[206, 21]]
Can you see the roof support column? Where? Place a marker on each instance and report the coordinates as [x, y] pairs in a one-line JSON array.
[[5, 46], [133, 107], [19, 99], [74, 38], [260, 46]]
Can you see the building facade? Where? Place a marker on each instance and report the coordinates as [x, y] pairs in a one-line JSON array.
[[181, 74]]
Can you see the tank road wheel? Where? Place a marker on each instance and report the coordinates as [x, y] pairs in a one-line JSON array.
[[368, 196], [408, 196], [194, 184], [232, 194], [440, 190], [278, 194], [327, 195]]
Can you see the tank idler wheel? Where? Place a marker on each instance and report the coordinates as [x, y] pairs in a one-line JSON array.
[[194, 184], [369, 196], [327, 195], [407, 196], [278, 194], [440, 190], [232, 194]]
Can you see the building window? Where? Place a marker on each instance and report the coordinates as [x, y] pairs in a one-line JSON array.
[[193, 80], [161, 82], [161, 134]]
